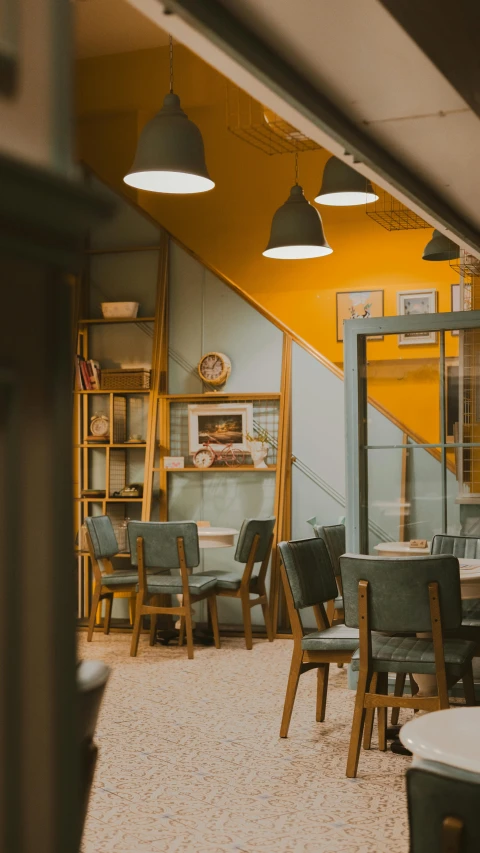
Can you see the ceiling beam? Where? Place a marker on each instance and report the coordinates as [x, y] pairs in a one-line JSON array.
[[221, 40]]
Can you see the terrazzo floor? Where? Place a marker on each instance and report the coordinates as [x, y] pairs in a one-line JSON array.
[[191, 762]]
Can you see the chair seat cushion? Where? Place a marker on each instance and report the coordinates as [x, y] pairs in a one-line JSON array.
[[415, 654], [120, 577], [225, 580], [471, 612], [336, 639], [165, 585]]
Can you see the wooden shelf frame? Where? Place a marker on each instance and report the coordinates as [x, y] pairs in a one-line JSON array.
[[159, 414]]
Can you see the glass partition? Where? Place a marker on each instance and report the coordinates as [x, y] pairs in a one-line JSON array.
[[421, 475]]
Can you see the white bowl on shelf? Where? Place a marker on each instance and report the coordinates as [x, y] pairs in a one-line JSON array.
[[120, 310]]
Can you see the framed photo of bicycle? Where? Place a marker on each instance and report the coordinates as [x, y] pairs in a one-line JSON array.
[[219, 425]]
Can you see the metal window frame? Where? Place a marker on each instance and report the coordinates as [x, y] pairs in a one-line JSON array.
[[356, 333]]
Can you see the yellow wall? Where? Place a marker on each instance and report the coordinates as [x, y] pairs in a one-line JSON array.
[[229, 226]]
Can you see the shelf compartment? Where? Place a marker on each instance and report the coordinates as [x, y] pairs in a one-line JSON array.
[[116, 391]]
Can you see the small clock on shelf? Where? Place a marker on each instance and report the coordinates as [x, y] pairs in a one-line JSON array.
[[99, 428], [214, 368]]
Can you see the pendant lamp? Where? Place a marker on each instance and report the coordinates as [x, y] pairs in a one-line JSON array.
[[170, 156], [342, 186], [440, 248], [297, 229]]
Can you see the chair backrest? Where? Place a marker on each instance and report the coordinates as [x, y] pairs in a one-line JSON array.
[[398, 595], [160, 543], [102, 536], [441, 808], [309, 571], [459, 546], [334, 537], [249, 529]]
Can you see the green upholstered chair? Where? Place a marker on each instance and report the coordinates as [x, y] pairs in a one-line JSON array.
[[102, 546], [309, 581], [403, 596], [443, 809], [169, 545], [334, 537], [254, 546], [92, 677], [467, 547]]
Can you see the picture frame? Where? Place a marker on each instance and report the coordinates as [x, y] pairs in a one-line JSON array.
[[219, 424], [455, 303], [414, 302], [357, 305]]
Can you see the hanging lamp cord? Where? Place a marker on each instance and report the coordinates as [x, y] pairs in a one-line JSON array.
[[296, 168], [171, 64]]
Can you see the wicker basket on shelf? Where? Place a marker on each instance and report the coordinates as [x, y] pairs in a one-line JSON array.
[[125, 380]]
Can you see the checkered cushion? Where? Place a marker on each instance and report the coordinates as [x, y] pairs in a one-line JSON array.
[[413, 654]]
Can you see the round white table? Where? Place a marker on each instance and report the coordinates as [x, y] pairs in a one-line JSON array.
[[216, 537], [445, 737], [400, 549]]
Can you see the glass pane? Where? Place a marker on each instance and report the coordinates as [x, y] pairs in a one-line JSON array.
[[404, 496], [403, 377]]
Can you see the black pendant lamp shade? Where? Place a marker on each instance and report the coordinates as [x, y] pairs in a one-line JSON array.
[[342, 186], [440, 248], [170, 156], [297, 230]]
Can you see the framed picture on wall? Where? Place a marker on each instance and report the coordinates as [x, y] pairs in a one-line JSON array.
[[358, 305], [413, 302], [219, 424]]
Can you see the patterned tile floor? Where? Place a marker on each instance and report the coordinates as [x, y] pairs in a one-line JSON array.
[[191, 762]]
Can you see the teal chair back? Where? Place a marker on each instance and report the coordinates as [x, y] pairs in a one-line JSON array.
[[102, 535], [434, 799], [160, 543], [398, 595], [309, 571], [459, 546], [334, 537], [249, 529]]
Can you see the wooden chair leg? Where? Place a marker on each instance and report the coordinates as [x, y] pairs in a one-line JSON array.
[[93, 613], [131, 609], [399, 688], [469, 687], [247, 621], [153, 626], [181, 632], [108, 614], [357, 725], [370, 714], [292, 684], [322, 688], [382, 688], [212, 608], [189, 631], [136, 628]]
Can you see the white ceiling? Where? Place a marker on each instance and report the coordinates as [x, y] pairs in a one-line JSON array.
[[113, 26], [355, 54]]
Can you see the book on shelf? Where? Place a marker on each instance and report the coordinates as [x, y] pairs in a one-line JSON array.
[[87, 374]]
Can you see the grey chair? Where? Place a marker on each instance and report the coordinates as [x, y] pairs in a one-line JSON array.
[[403, 596], [334, 537], [102, 546], [92, 677], [467, 547], [254, 546], [443, 809], [169, 545], [309, 581]]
